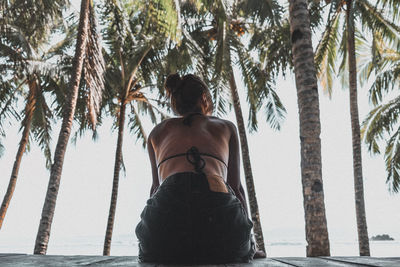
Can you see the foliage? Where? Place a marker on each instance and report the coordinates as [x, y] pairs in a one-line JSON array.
[[382, 123], [28, 66], [221, 30], [332, 47]]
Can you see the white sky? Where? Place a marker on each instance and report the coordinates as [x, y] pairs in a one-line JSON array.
[[85, 190]]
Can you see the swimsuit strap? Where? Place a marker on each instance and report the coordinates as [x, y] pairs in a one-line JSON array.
[[193, 156]]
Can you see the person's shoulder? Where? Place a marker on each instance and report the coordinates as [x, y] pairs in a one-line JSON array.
[[159, 127], [227, 123]]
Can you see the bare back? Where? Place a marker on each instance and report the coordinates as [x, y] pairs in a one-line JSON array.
[[212, 136], [209, 134]]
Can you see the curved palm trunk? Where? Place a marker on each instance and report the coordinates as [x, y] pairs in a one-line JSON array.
[[251, 192], [310, 128], [49, 206], [363, 241], [29, 109], [114, 194]]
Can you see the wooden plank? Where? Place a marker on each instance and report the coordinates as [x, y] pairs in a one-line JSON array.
[[310, 262], [120, 261], [11, 260], [23, 260], [48, 260], [258, 262], [10, 254], [369, 261], [269, 262]]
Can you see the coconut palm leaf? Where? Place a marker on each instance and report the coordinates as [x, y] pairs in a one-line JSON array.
[[36, 18], [392, 5], [260, 92], [8, 99], [372, 18], [272, 45], [41, 126], [392, 160], [380, 122], [262, 11], [93, 70], [160, 16], [383, 83], [136, 127], [2, 149], [326, 52]]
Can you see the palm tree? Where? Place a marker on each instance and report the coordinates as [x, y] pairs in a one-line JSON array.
[[221, 42], [26, 67], [310, 128], [372, 19], [88, 58], [133, 56], [381, 123], [125, 93]]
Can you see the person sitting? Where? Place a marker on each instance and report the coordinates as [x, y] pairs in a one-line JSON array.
[[197, 211]]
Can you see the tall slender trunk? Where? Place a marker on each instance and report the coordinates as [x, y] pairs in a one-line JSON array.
[[49, 206], [29, 109], [310, 128], [117, 169], [363, 241], [251, 192]]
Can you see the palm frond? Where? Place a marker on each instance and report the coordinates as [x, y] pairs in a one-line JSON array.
[[380, 121], [42, 125], [272, 44], [93, 70], [259, 84], [326, 52], [383, 83], [392, 161], [372, 18], [130, 87], [36, 17], [61, 47], [8, 100], [368, 56], [161, 16], [393, 6], [343, 67], [2, 149], [262, 11], [136, 127]]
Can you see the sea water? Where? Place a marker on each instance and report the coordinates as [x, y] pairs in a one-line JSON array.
[[126, 245]]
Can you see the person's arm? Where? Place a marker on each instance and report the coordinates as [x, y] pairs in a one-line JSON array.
[[233, 178], [154, 168]]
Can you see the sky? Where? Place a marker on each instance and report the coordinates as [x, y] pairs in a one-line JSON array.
[[85, 189]]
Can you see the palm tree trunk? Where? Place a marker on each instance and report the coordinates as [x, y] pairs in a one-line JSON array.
[[29, 109], [363, 241], [310, 128], [49, 206], [251, 192], [117, 168]]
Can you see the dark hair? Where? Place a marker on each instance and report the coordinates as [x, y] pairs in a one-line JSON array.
[[186, 93]]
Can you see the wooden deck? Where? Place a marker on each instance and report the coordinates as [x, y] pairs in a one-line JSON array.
[[16, 260]]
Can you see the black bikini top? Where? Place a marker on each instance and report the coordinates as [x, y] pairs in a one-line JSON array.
[[194, 157]]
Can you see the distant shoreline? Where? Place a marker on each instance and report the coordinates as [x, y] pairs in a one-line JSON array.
[[383, 237]]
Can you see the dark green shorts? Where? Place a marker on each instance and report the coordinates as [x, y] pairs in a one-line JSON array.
[[186, 222]]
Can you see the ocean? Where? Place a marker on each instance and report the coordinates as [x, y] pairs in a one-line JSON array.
[[126, 245]]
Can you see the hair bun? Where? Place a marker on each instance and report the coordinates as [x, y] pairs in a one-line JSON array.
[[173, 83]]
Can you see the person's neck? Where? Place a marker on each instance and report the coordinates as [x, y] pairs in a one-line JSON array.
[[188, 117], [195, 112]]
